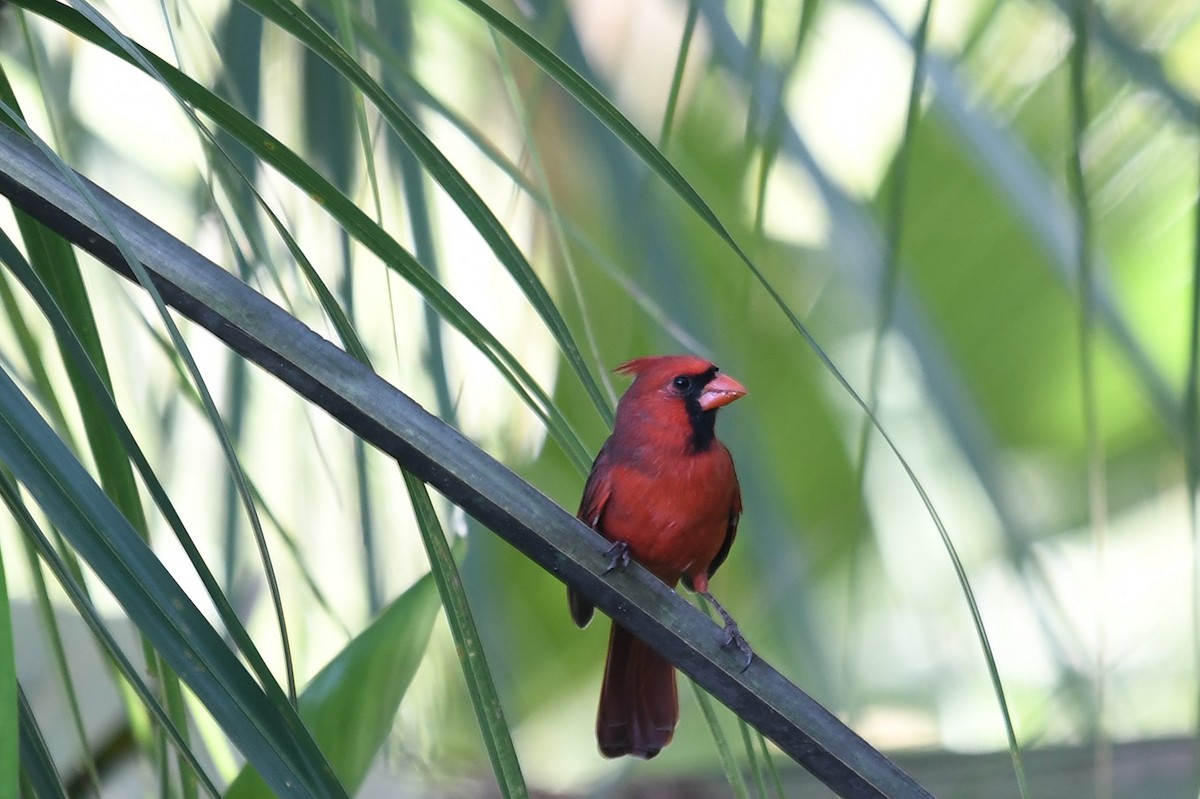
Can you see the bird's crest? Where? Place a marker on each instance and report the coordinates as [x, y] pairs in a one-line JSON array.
[[680, 364]]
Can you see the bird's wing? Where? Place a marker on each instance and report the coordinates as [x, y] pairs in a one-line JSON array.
[[735, 513], [591, 508], [596, 491]]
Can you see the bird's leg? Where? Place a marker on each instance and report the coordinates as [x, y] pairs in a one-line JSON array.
[[619, 554], [733, 635]]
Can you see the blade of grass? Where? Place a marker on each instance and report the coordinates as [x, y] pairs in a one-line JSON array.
[[485, 700], [73, 350], [37, 766], [236, 399], [210, 407], [294, 168], [895, 229], [54, 261], [188, 778], [288, 540], [729, 763], [552, 212], [776, 782], [971, 430], [135, 513], [1035, 198], [37, 540], [1191, 457], [398, 72], [1097, 491], [685, 44], [239, 45], [235, 402], [100, 395], [59, 653], [278, 745], [777, 108], [346, 30], [760, 786], [737, 782], [9, 749], [732, 52], [888, 289], [300, 25], [755, 38], [390, 37], [31, 350], [1146, 68]]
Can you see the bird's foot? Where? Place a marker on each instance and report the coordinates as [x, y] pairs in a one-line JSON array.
[[733, 635], [618, 554]]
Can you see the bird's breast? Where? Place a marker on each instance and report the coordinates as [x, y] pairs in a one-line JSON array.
[[673, 512]]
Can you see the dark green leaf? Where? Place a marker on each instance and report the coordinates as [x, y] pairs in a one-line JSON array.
[[9, 753], [37, 767], [278, 746]]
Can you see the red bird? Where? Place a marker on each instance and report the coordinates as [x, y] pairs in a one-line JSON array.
[[664, 491]]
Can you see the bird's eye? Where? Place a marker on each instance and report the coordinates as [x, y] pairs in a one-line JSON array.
[[683, 382]]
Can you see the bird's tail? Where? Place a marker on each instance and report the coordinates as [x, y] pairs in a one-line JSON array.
[[639, 706]]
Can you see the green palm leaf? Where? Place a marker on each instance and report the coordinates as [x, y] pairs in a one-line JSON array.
[[351, 703], [278, 746]]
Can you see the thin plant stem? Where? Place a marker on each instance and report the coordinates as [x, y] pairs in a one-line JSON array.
[[1081, 13]]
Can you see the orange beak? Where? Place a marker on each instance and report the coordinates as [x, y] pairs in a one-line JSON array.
[[721, 390]]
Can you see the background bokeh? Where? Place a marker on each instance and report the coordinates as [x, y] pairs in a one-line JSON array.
[[1043, 408]]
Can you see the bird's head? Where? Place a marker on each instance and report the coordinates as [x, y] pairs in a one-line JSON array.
[[679, 394]]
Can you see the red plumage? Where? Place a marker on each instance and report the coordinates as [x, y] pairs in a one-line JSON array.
[[664, 486]]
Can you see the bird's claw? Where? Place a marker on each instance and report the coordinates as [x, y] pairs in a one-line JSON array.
[[734, 637], [618, 555]]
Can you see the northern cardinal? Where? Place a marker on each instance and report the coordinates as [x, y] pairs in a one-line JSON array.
[[664, 491]]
